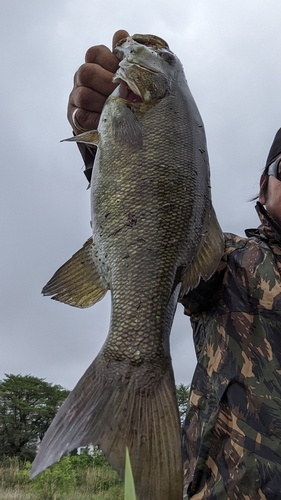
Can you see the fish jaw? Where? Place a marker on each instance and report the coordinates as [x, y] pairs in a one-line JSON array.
[[148, 71], [150, 86], [130, 93]]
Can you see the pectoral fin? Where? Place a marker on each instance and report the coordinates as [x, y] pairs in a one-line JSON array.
[[77, 282], [90, 137], [208, 257], [126, 129]]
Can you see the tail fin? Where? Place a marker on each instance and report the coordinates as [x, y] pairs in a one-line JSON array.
[[114, 405]]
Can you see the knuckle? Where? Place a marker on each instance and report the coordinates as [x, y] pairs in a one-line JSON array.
[[94, 53], [82, 97], [71, 97], [75, 78], [83, 74], [70, 110]]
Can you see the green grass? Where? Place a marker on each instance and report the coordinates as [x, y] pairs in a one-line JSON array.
[[73, 478], [129, 492]]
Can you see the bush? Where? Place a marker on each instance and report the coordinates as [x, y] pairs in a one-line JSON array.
[[75, 477], [13, 473], [101, 479], [81, 462], [80, 465], [58, 479], [99, 458]]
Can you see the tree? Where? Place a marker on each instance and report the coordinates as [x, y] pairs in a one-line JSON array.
[[183, 392], [27, 406]]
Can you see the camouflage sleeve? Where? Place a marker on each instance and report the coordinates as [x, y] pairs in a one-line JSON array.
[[206, 294], [232, 432]]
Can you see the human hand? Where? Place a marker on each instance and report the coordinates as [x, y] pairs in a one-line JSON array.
[[92, 85]]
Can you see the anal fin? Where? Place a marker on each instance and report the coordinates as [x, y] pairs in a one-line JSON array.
[[77, 282]]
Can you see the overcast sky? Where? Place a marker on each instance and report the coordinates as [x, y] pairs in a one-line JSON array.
[[231, 54]]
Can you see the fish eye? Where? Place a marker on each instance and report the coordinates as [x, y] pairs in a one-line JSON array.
[[167, 56]]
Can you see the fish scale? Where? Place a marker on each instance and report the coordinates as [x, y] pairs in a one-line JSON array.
[[155, 234], [153, 246]]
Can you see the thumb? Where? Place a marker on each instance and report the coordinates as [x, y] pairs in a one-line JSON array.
[[118, 35]]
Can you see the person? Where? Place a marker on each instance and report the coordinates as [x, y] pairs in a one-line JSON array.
[[232, 432]]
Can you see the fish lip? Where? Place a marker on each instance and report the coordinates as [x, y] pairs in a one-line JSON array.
[[140, 66], [127, 90], [125, 83]]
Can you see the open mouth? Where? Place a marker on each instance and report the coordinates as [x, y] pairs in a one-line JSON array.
[[126, 93]]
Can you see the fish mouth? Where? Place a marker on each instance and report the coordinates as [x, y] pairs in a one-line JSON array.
[[129, 94], [133, 85]]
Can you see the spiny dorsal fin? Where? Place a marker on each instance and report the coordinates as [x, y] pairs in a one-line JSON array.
[[77, 282], [208, 257]]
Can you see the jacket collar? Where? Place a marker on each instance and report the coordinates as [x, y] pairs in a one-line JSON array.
[[269, 232]]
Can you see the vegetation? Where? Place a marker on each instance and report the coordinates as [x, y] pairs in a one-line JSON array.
[[80, 477], [129, 486], [183, 392], [27, 406]]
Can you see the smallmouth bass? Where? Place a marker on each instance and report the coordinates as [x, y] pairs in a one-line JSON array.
[[155, 234]]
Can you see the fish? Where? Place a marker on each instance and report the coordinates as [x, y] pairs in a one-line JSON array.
[[155, 235]]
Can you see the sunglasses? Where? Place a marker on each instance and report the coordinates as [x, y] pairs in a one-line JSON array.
[[275, 169]]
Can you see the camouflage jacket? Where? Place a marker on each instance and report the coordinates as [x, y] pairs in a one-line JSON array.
[[232, 431]]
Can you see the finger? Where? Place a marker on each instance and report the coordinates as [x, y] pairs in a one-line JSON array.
[[88, 99], [88, 104], [95, 77], [88, 120], [118, 35], [92, 85], [102, 56]]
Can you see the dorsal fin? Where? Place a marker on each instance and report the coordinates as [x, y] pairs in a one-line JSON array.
[[208, 257]]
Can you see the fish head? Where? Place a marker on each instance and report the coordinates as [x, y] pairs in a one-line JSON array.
[[146, 70]]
